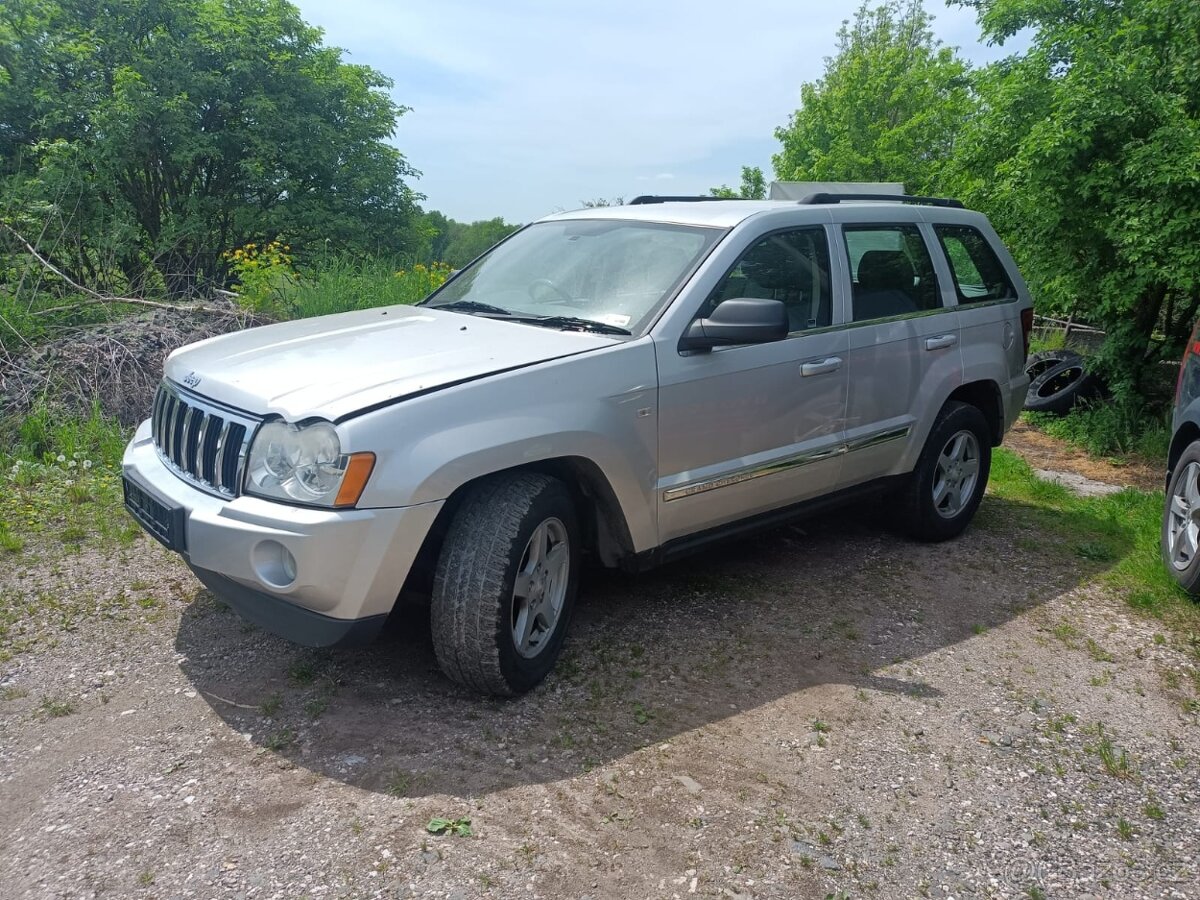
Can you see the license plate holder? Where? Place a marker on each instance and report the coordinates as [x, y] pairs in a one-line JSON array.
[[163, 521]]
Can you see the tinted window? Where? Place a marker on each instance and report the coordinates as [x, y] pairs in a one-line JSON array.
[[978, 274], [791, 266], [891, 270]]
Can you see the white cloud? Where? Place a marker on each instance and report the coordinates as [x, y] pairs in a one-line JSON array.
[[531, 105]]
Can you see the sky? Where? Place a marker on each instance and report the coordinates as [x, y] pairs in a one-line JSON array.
[[522, 108]]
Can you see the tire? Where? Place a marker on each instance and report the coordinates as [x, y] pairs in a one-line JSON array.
[[925, 509], [1059, 388], [1039, 362], [479, 635], [1180, 532]]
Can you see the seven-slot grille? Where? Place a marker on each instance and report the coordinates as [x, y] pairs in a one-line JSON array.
[[203, 443]]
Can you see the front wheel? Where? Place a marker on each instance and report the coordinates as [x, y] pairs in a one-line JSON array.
[[505, 583], [951, 474], [1180, 539]]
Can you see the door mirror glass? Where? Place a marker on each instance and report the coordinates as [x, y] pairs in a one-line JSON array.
[[744, 320]]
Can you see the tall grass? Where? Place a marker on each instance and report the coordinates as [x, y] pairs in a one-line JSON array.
[[341, 284], [1111, 428], [45, 434], [60, 481], [267, 282]]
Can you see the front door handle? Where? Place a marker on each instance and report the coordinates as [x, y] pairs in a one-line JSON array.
[[941, 342], [830, 364]]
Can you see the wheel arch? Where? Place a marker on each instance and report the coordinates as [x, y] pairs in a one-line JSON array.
[[606, 531], [985, 396], [1187, 433]]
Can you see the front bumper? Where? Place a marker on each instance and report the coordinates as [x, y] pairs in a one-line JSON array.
[[349, 564]]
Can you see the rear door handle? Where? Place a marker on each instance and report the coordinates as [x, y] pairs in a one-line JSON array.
[[830, 364], [941, 342]]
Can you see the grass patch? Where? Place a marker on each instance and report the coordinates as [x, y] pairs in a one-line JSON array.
[[60, 479], [56, 707], [280, 740], [1121, 531], [400, 783], [272, 705]]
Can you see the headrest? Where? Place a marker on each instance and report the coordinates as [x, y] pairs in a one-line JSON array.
[[883, 270]]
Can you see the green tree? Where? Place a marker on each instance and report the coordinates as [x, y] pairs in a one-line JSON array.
[[1086, 155], [163, 132], [469, 241], [888, 108], [753, 186]]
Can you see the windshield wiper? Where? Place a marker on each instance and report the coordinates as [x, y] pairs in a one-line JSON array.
[[471, 306], [571, 323]]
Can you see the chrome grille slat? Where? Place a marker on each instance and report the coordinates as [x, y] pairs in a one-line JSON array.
[[219, 467], [198, 454], [171, 425], [179, 433], [191, 435], [160, 397], [201, 441]]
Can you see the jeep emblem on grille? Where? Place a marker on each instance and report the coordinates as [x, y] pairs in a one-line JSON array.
[[191, 379]]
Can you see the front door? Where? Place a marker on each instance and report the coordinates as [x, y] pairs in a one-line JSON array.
[[747, 429]]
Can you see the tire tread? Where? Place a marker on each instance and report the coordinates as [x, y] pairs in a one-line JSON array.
[[474, 563]]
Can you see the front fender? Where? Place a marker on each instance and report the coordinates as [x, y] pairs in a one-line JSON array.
[[599, 406]]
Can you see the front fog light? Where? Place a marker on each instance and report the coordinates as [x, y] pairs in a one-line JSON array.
[[305, 463], [274, 564]]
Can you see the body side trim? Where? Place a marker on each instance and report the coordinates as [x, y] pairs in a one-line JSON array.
[[783, 465]]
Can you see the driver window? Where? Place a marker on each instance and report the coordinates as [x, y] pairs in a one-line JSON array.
[[790, 266]]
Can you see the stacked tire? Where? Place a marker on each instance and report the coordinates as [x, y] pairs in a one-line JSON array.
[[1059, 379]]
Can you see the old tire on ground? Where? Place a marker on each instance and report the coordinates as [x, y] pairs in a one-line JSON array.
[[1059, 388], [945, 487], [1043, 360], [505, 583], [1180, 533]]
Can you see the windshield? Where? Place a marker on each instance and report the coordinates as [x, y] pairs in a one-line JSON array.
[[614, 272]]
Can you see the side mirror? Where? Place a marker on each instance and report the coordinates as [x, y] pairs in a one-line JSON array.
[[742, 320]]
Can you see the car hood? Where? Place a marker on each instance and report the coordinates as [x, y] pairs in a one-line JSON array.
[[335, 365]]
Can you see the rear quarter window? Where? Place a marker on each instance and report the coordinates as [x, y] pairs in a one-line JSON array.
[[979, 277]]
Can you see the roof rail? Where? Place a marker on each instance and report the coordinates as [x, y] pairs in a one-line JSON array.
[[895, 198], [655, 198]]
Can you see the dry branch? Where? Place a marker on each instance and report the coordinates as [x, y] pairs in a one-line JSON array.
[[95, 297]]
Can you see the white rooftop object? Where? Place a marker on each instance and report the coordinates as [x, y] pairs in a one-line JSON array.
[[798, 190]]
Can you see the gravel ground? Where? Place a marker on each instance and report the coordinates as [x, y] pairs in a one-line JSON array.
[[823, 711]]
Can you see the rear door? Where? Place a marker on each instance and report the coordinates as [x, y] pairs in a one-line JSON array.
[[904, 356], [748, 429], [989, 315]]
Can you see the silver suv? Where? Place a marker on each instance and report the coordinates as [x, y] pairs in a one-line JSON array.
[[623, 384]]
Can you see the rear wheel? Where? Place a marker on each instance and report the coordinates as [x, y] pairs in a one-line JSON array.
[[948, 482], [1180, 539], [505, 583]]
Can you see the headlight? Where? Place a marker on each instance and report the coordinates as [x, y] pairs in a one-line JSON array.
[[305, 463]]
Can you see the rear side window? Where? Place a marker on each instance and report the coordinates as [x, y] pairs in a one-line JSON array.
[[789, 266], [978, 275], [891, 270]]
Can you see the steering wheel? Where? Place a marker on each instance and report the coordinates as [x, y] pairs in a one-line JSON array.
[[540, 286]]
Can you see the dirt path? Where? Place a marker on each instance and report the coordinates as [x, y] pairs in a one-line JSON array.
[[1047, 453], [824, 709]]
